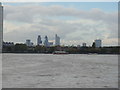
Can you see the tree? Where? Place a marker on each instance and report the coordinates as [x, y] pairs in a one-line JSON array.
[[20, 47], [93, 45]]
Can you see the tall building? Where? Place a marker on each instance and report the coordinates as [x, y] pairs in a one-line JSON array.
[[84, 44], [39, 41], [46, 43], [98, 43], [29, 43], [57, 40], [1, 27]]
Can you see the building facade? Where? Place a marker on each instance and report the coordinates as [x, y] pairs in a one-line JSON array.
[[39, 41], [57, 40], [8, 44], [46, 43], [84, 44], [1, 27], [51, 43], [29, 43], [98, 43]]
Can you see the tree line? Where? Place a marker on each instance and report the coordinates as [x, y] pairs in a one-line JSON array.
[[23, 48]]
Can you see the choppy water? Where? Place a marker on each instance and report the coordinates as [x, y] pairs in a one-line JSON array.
[[59, 71]]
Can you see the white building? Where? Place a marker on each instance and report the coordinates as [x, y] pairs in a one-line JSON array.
[[1, 27], [29, 43], [57, 40], [98, 43], [39, 41]]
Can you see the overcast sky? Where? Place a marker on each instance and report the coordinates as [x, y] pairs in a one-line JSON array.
[[75, 23]]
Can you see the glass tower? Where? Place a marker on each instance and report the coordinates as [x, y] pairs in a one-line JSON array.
[[39, 41]]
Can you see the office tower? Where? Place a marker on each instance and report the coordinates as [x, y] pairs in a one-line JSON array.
[[84, 44], [57, 40], [46, 43], [1, 27], [39, 41], [98, 43], [29, 43]]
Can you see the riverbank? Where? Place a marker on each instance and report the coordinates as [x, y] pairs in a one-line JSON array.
[[61, 54], [22, 48]]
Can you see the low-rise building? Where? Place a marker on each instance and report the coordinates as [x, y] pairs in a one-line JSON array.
[[29, 43], [8, 44]]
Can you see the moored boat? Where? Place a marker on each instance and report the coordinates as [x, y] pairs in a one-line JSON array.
[[60, 52]]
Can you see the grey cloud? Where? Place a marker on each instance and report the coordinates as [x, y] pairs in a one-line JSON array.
[[41, 21], [29, 11], [64, 29]]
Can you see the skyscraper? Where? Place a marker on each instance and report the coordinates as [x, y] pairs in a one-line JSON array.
[[46, 43], [57, 40], [84, 44], [1, 27], [39, 41], [98, 43]]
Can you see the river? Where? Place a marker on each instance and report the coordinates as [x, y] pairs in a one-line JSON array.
[[59, 71]]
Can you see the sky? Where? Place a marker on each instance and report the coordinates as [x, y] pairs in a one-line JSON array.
[[74, 22]]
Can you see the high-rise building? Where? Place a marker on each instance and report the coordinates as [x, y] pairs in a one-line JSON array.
[[1, 27], [39, 41], [29, 43], [57, 40], [98, 43], [84, 44], [46, 43]]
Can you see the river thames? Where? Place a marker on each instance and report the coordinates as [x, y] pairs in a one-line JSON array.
[[59, 71]]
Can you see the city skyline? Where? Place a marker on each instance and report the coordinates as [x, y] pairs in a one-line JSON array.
[[47, 43], [75, 23]]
